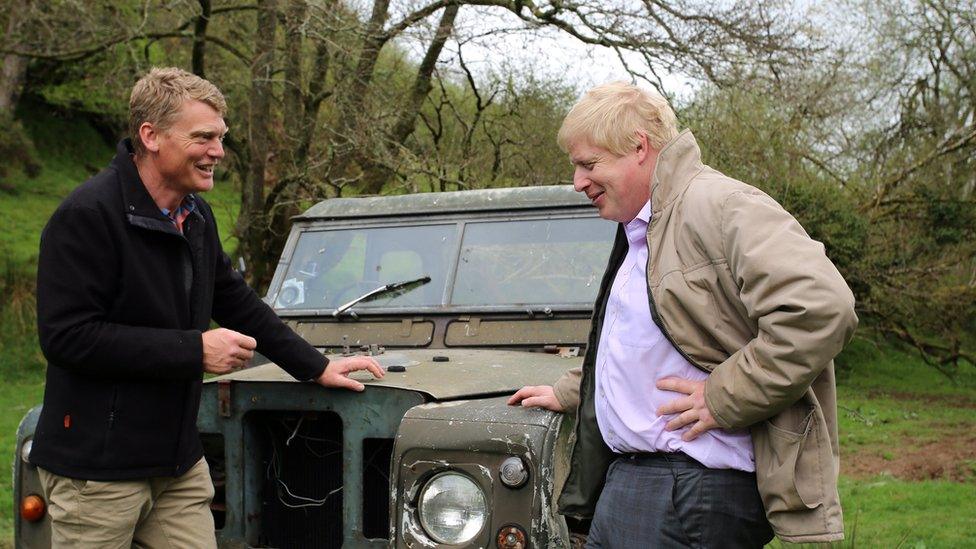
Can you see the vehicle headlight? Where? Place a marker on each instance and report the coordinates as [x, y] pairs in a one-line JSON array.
[[452, 508]]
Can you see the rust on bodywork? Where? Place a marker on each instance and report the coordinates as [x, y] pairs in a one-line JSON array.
[[223, 397]]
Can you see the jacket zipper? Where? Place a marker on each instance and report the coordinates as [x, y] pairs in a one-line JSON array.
[[111, 412]]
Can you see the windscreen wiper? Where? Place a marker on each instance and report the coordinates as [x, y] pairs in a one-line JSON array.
[[395, 288]]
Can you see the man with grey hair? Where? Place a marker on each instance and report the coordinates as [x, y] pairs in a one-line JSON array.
[[130, 274], [705, 406]]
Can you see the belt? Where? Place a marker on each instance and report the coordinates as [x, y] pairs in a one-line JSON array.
[[678, 460]]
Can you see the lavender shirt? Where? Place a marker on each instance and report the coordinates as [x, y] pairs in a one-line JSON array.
[[632, 355]]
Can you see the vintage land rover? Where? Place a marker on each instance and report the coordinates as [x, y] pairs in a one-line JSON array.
[[463, 298]]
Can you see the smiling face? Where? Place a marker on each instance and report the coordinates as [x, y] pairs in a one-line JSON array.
[[618, 186], [182, 157]]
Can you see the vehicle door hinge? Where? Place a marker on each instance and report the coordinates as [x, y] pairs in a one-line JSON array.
[[406, 326], [471, 326]]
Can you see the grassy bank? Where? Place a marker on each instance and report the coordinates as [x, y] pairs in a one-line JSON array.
[[908, 451]]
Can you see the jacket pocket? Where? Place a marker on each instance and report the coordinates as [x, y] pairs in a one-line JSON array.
[[787, 480]]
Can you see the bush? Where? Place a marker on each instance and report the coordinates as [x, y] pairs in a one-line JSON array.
[[20, 355]]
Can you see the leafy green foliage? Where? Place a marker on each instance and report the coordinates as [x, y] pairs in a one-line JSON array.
[[501, 135], [892, 202]]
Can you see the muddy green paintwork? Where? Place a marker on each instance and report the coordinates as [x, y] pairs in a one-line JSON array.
[[474, 437], [467, 373]]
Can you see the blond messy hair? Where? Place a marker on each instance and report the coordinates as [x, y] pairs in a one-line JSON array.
[[610, 116], [159, 95]]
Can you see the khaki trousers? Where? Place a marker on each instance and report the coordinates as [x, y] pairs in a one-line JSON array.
[[152, 513]]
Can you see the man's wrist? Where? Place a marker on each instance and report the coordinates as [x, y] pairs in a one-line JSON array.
[[318, 376]]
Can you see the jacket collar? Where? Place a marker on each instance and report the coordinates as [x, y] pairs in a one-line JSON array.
[[678, 162], [138, 205]]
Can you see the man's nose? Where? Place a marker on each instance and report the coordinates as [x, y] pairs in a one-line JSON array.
[[216, 149], [580, 181]]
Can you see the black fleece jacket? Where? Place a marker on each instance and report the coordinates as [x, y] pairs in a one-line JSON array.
[[122, 301]]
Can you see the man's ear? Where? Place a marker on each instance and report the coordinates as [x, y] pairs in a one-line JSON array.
[[643, 147], [149, 136]]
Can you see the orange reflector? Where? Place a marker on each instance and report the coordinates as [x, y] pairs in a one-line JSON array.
[[32, 508], [511, 537]]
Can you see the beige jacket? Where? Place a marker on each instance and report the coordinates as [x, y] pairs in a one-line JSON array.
[[745, 294]]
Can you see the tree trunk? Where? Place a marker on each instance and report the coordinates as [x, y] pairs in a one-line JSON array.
[[200, 39], [14, 70], [252, 224], [378, 174], [12, 76], [294, 91], [352, 100]]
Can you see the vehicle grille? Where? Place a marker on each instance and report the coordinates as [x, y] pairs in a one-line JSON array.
[[301, 492], [301, 480], [377, 453]]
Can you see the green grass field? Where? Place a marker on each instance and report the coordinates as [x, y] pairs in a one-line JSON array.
[[908, 451], [908, 433]]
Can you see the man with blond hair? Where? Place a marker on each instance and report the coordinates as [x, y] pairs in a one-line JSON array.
[[705, 405], [130, 274]]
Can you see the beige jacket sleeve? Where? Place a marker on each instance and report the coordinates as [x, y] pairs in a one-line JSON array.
[[803, 307], [567, 389]]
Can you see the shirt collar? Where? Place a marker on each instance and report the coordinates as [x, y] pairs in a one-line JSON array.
[[637, 228], [188, 204]]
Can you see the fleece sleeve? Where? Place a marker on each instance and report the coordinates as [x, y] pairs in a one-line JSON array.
[[236, 306]]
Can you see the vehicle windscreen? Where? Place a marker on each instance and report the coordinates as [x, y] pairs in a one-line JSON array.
[[538, 262], [330, 268], [498, 263]]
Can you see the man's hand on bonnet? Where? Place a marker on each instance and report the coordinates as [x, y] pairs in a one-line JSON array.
[[337, 372], [226, 350], [691, 409], [541, 396]]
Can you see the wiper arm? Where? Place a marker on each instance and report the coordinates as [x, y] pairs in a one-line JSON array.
[[397, 288]]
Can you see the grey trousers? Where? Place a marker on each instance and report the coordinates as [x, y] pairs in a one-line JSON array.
[[671, 500]]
